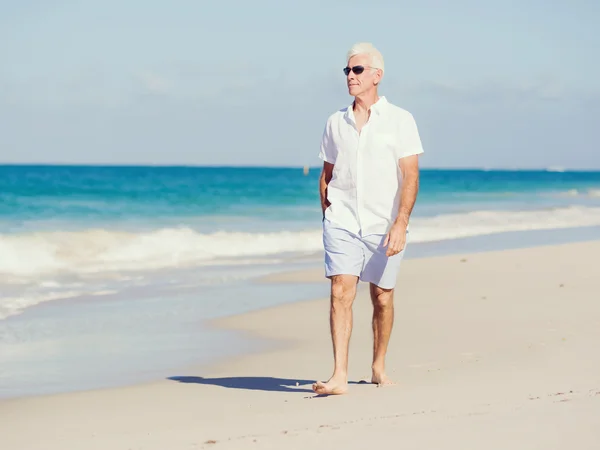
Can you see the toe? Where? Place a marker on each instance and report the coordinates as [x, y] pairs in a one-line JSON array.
[[319, 387]]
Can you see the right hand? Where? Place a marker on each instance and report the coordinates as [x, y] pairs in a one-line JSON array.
[[324, 206]]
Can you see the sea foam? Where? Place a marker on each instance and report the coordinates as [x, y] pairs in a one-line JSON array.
[[102, 250], [44, 266]]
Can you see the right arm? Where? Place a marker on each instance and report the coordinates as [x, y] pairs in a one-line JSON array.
[[324, 180], [328, 154]]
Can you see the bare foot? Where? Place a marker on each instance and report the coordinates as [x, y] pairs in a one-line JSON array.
[[381, 379], [332, 387]]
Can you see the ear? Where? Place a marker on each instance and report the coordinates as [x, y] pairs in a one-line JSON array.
[[378, 77]]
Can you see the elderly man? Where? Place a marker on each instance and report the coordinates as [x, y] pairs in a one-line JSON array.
[[368, 187]]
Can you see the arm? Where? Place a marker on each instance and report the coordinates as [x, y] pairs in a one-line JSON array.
[[409, 167], [324, 180], [396, 237]]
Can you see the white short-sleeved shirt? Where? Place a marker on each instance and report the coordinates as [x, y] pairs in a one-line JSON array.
[[364, 190]]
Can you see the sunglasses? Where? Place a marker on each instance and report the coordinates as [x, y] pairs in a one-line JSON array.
[[356, 69]]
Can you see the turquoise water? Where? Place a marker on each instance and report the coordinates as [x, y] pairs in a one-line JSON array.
[[67, 231], [54, 197], [147, 196]]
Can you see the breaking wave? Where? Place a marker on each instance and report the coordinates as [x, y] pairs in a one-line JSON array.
[[101, 250]]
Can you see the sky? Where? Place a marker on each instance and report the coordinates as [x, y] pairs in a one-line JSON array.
[[494, 84]]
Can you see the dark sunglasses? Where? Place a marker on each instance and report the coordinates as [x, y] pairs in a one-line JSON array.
[[356, 69]]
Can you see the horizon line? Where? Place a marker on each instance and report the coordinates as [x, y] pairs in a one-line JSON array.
[[551, 168]]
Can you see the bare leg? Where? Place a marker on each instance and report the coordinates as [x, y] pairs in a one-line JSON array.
[[343, 291], [383, 321]]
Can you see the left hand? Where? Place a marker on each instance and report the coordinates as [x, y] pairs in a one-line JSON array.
[[396, 238]]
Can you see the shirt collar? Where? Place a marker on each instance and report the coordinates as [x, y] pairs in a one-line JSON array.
[[376, 107]]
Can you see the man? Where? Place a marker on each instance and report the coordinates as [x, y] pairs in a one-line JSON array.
[[368, 187]]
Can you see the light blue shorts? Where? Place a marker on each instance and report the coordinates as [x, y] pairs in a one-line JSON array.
[[361, 256]]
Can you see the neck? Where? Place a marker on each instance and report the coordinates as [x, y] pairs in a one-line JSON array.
[[364, 101]]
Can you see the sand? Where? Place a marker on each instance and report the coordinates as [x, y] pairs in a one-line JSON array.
[[490, 351]]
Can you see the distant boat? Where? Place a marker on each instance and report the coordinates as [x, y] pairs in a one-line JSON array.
[[305, 170], [555, 169]]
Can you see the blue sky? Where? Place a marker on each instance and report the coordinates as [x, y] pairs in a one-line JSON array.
[[490, 83]]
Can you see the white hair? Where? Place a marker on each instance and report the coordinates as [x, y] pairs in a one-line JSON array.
[[366, 48]]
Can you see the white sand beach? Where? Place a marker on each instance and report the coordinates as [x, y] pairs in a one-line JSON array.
[[491, 350]]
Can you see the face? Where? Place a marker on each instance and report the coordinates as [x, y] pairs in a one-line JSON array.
[[367, 80]]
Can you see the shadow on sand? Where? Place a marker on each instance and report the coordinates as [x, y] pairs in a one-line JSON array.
[[268, 384]]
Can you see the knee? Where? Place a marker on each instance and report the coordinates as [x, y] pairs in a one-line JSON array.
[[382, 298], [342, 292]]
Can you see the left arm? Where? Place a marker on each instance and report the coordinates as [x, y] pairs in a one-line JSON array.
[[396, 237], [409, 167]]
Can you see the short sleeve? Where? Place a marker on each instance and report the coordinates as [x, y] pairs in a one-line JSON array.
[[328, 152], [409, 138]]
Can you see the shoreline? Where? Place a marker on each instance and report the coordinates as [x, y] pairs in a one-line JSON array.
[[502, 341], [234, 344], [469, 244], [509, 240]]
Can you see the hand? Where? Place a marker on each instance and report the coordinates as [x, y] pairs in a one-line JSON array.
[[396, 238], [324, 205]]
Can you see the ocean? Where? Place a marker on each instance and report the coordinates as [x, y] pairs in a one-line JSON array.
[[108, 273]]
